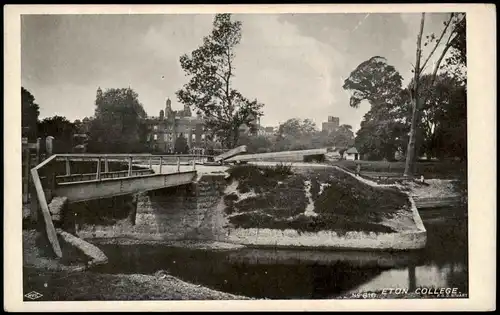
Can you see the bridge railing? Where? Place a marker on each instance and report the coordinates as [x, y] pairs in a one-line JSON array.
[[50, 180]]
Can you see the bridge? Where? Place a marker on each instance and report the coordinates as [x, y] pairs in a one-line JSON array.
[[78, 184]]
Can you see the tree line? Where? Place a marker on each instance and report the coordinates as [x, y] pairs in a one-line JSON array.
[[426, 117], [298, 134]]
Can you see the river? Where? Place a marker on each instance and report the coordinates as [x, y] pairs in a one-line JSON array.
[[443, 263]]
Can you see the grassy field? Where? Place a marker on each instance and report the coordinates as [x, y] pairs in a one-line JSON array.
[[429, 169], [276, 198]]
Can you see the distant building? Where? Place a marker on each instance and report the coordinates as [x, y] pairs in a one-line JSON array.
[[351, 154], [164, 130], [331, 125]]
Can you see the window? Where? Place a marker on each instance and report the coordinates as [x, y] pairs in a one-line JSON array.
[[203, 137], [155, 127], [193, 137], [165, 137], [155, 137]]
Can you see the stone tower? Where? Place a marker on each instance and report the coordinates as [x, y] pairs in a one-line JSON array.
[[168, 108]]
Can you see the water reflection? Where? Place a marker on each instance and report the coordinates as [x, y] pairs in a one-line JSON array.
[[443, 263], [306, 275]]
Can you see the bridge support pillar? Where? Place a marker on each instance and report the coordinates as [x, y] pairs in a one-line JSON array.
[[106, 165], [132, 209]]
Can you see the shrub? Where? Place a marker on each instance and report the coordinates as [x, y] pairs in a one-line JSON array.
[[279, 171], [257, 178], [229, 209], [348, 196], [231, 197], [315, 187]]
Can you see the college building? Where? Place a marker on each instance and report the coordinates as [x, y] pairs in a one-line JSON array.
[[163, 130]]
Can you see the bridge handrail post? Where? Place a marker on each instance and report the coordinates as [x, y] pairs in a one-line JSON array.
[[150, 163], [106, 165], [178, 164], [161, 162], [194, 164], [98, 174], [130, 166]]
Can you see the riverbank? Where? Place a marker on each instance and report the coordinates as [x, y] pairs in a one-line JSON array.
[[68, 280]]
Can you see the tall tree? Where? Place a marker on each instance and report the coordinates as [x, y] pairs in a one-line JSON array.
[[29, 115], [256, 144], [456, 63], [343, 136], [297, 127], [210, 89], [380, 135], [181, 145], [380, 84], [442, 97], [451, 31], [118, 123], [375, 81]]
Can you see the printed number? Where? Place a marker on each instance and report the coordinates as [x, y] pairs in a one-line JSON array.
[[363, 295]]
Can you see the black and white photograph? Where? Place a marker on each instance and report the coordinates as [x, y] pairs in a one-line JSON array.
[[249, 156]]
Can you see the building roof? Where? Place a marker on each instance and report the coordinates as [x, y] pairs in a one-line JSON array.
[[352, 151]]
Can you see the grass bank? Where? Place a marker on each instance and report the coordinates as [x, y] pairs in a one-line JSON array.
[[313, 200]]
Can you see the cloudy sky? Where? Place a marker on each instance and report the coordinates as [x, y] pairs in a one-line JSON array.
[[294, 63]]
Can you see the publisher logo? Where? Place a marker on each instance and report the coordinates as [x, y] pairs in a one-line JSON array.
[[33, 295]]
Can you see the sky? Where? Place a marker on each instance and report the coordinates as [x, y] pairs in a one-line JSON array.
[[293, 63]]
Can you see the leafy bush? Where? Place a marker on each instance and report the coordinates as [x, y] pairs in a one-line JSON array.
[[348, 196], [257, 178], [279, 171], [231, 198]]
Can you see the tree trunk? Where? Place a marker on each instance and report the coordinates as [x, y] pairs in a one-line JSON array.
[[411, 156]]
